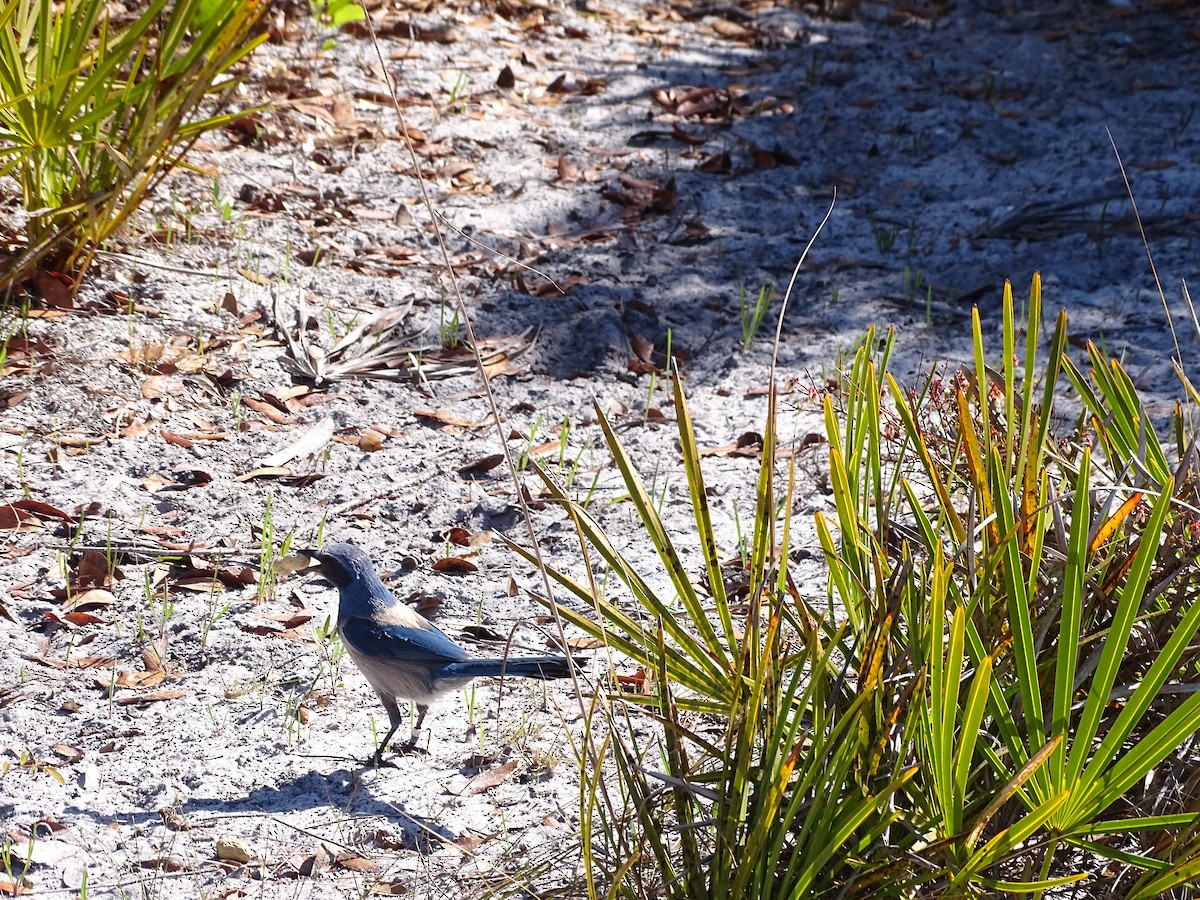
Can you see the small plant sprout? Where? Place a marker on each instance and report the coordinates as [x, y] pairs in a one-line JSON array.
[[223, 203], [235, 407], [449, 329], [564, 435], [333, 652], [215, 610], [267, 554], [752, 314], [523, 462], [457, 93], [914, 280], [27, 762], [654, 381], [885, 235]]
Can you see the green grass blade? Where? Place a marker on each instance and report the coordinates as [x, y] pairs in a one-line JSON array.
[[1070, 615], [700, 508], [1128, 601]]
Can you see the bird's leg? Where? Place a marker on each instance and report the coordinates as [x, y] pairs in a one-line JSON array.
[[394, 719], [377, 760], [410, 746]]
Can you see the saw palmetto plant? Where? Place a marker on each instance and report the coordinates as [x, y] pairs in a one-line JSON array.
[[1004, 701], [95, 112]]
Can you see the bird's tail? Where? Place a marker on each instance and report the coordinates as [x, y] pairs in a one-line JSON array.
[[542, 667]]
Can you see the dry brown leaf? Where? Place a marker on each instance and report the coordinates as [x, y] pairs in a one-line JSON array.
[[485, 781], [585, 643], [264, 472], [637, 683], [266, 410], [370, 441], [481, 466], [454, 565], [176, 439], [142, 699], [14, 888], [458, 536], [67, 752], [156, 387], [389, 888], [717, 164], [55, 289], [75, 662], [92, 597], [82, 618], [568, 172], [732, 30], [94, 569], [154, 655], [355, 863], [129, 679], [446, 418], [136, 429]]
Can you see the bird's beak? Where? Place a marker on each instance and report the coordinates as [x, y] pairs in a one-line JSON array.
[[302, 561]]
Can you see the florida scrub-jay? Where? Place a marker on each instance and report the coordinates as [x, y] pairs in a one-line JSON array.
[[400, 652]]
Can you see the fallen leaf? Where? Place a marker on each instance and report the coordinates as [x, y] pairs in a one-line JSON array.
[[165, 863], [67, 752], [142, 699], [459, 536], [389, 888], [267, 410], [637, 683], [481, 466], [355, 863], [483, 633], [585, 643], [717, 164], [310, 443], [75, 662], [568, 172], [22, 513], [732, 30], [264, 472], [485, 781], [454, 565], [129, 679], [154, 656], [55, 289], [446, 418], [176, 439], [370, 441], [156, 387], [82, 618]]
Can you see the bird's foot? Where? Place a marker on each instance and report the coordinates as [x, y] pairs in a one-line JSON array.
[[378, 762], [408, 748], [411, 747]]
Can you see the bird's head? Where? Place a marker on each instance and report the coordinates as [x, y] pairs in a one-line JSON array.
[[342, 564]]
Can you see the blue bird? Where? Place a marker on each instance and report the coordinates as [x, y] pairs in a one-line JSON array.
[[400, 652]]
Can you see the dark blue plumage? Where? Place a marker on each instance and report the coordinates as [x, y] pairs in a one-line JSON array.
[[400, 652]]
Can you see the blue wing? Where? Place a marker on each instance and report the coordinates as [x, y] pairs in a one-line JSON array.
[[380, 640]]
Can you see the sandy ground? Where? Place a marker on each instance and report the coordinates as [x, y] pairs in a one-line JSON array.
[[652, 164]]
